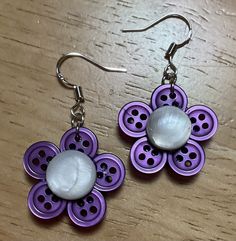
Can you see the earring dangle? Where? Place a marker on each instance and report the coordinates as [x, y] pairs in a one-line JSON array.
[[73, 176], [168, 131]]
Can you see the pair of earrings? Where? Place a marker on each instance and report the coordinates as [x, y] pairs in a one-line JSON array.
[[74, 175]]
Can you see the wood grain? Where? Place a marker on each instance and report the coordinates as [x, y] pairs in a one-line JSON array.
[[34, 34]]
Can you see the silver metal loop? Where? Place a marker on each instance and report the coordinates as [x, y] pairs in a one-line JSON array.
[[170, 72], [170, 75], [77, 123], [77, 115], [173, 46], [77, 111], [66, 83]]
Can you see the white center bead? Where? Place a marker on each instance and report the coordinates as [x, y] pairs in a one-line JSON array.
[[71, 175], [168, 128]]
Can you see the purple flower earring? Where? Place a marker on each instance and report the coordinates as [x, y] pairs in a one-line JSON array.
[[168, 131], [74, 175]]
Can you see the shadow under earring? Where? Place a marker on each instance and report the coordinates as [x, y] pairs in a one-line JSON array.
[[168, 130], [72, 176]]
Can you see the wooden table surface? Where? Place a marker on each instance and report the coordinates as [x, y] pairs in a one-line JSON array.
[[34, 34]]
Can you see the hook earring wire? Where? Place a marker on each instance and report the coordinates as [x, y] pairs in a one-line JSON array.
[[65, 82], [77, 111], [170, 72]]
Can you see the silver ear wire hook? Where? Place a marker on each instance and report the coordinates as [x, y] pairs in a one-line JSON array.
[[170, 72], [65, 82], [77, 111]]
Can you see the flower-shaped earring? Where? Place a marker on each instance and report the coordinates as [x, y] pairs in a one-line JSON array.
[[73, 175], [168, 130]]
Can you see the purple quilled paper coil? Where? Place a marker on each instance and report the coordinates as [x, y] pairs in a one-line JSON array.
[[89, 210], [133, 118]]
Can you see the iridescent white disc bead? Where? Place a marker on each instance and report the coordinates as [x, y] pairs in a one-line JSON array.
[[71, 175], [168, 128]]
